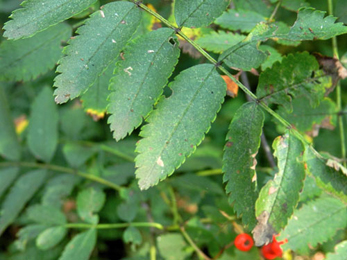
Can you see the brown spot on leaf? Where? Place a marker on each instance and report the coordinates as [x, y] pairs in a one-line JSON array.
[[229, 144], [272, 190], [263, 231]]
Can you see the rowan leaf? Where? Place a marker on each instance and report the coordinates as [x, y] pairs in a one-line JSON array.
[[340, 252], [243, 140], [21, 192], [243, 20], [26, 59], [219, 41], [332, 181], [274, 56], [316, 222], [50, 237], [139, 79], [280, 196], [38, 15], [81, 246], [43, 126], [9, 145], [98, 44], [297, 75], [197, 13], [179, 123]]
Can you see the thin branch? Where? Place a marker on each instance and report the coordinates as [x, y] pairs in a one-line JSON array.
[[191, 242], [115, 225], [275, 11], [62, 169]]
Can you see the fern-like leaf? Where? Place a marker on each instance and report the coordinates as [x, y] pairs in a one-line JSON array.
[[179, 123]]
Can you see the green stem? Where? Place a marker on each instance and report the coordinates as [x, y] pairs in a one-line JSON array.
[[116, 152], [275, 11], [62, 169], [116, 225], [191, 242], [338, 93], [209, 172]]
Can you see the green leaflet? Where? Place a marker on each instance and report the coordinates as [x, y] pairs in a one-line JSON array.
[[98, 44], [38, 15], [197, 13], [132, 235], [21, 192], [26, 234], [77, 154], [94, 101], [90, 201], [46, 215], [172, 244], [340, 252], [333, 182], [179, 123], [219, 41], [273, 57], [28, 58], [80, 247], [314, 223], [50, 237], [9, 145], [279, 197], [297, 75], [43, 126], [307, 119], [311, 25], [254, 5], [7, 176], [243, 140], [139, 79], [241, 20]]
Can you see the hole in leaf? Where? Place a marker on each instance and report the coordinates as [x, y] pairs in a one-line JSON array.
[[172, 41]]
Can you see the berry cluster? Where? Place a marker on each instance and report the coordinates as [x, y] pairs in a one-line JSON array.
[[244, 242]]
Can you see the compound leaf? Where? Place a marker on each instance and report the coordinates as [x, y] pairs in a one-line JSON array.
[[90, 201], [243, 140], [38, 15], [28, 58], [21, 192], [242, 20], [43, 126], [219, 41], [297, 75], [9, 145], [179, 123], [98, 44], [139, 79], [330, 180], [279, 197], [80, 247], [314, 223], [197, 13]]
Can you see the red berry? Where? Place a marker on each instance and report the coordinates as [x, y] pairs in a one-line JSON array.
[[243, 242], [272, 250]]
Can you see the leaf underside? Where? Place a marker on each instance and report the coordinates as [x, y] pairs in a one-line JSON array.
[[197, 13], [279, 197], [139, 79], [38, 15], [98, 44], [243, 140], [179, 123]]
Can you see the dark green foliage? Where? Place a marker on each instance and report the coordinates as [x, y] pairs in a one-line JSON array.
[[195, 168]]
